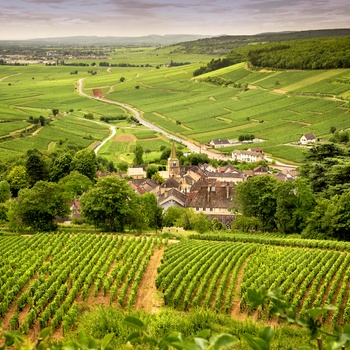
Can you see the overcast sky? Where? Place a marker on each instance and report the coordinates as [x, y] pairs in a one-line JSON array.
[[25, 19]]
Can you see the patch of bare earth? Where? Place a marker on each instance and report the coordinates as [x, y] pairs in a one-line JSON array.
[[343, 303], [280, 91], [126, 138], [147, 296], [236, 301]]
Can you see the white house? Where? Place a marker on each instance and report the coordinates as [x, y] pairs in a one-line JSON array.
[[307, 138], [247, 156]]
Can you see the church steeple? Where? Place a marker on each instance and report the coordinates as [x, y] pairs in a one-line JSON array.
[[173, 151], [173, 162]]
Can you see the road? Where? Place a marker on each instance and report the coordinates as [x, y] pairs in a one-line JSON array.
[[112, 128], [191, 146]]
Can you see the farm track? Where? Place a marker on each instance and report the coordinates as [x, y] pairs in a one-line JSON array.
[[9, 76], [147, 298]]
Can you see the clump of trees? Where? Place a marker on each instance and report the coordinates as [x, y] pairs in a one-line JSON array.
[[317, 204], [246, 137], [108, 119]]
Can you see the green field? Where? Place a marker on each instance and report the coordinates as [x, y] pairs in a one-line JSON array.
[[277, 106]]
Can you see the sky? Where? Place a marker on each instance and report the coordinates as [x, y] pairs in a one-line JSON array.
[[27, 19]]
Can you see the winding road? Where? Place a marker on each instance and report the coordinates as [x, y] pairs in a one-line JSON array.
[[191, 146]]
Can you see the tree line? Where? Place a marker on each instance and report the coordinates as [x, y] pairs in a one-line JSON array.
[[320, 53]]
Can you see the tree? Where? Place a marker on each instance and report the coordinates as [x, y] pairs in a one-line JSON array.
[[256, 198], [75, 184], [18, 179], [111, 167], [171, 216], [5, 194], [151, 211], [5, 191], [111, 204], [138, 160], [323, 151], [339, 212], [295, 201], [186, 220], [158, 178], [39, 206], [55, 111], [122, 79], [330, 219], [245, 223], [36, 167], [42, 121], [84, 161], [89, 116], [332, 129], [201, 223], [122, 166], [61, 166], [151, 170]]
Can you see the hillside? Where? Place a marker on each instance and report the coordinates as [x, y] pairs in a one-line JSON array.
[[320, 53], [225, 43]]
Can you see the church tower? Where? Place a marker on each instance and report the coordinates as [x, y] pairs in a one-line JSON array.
[[173, 163]]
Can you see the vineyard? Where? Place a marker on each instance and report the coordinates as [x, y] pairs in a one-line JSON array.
[[42, 278], [218, 275], [46, 279]]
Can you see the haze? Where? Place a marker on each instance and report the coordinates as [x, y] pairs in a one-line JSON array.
[[26, 19]]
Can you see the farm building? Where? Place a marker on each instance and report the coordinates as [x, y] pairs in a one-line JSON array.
[[307, 138], [218, 143]]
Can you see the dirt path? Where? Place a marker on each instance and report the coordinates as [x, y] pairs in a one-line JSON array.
[[147, 296], [236, 298], [8, 76]]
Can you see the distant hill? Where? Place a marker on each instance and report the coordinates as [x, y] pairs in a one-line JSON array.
[[149, 40], [226, 43], [320, 53]]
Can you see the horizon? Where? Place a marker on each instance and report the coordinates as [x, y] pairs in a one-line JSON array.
[[164, 35], [36, 19]]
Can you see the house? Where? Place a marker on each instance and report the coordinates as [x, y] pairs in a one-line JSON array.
[[247, 156], [219, 143], [215, 200], [136, 172], [227, 177], [260, 170], [144, 185], [172, 197], [169, 184], [307, 138]]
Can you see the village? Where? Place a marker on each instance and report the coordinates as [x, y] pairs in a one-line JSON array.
[[203, 188]]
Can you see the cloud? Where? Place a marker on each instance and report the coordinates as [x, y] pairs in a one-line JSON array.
[[140, 17]]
